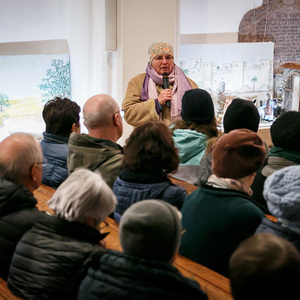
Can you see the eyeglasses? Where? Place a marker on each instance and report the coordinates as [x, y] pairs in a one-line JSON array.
[[160, 58], [121, 112]]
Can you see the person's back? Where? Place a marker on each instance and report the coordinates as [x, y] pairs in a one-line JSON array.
[[149, 233], [61, 117], [149, 156], [239, 114], [98, 150], [61, 246], [20, 174], [190, 134], [285, 135], [265, 266], [220, 214], [282, 193]]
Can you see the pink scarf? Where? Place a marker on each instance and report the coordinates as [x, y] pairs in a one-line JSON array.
[[180, 85]]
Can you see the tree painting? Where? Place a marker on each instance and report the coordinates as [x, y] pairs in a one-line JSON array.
[[4, 101], [57, 81]]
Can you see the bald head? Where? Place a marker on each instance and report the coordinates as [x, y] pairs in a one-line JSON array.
[[99, 117], [18, 154]]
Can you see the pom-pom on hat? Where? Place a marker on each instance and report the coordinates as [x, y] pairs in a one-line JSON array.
[[159, 48], [282, 192], [151, 229], [197, 106], [241, 114], [237, 154], [285, 131]]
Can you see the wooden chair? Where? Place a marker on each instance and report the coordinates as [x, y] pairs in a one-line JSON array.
[[5, 293]]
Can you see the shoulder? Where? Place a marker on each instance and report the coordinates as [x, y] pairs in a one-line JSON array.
[[192, 83], [138, 79]]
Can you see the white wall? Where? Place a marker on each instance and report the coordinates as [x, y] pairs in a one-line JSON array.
[[213, 16]]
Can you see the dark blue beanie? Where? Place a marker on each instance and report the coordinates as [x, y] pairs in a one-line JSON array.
[[197, 106]]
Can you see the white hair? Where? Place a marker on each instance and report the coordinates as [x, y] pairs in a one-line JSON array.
[[84, 194]]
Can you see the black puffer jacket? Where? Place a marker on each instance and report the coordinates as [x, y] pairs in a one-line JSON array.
[[120, 276], [52, 258], [18, 213]]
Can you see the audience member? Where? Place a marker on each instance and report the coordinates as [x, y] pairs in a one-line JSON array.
[[59, 247], [62, 118], [282, 192], [148, 158], [221, 214], [265, 266], [20, 174], [98, 150], [150, 235], [190, 134], [285, 134], [239, 114], [146, 97]]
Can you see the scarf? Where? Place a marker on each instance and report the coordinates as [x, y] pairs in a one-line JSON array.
[[228, 183], [292, 155], [180, 85]]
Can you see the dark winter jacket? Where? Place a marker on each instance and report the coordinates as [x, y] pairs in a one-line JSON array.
[[279, 230], [52, 258], [216, 220], [131, 187], [18, 213], [55, 150], [126, 277], [95, 154]]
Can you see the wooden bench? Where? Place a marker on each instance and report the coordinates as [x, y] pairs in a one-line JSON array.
[[5, 293], [215, 285]]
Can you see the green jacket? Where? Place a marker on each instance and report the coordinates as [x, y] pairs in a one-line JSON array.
[[216, 220], [95, 154]]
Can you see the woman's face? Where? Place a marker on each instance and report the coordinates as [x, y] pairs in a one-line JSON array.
[[163, 63]]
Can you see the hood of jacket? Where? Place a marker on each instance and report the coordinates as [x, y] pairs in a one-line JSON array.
[[89, 152], [191, 145]]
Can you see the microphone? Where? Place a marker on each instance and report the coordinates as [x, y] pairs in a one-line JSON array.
[[166, 85]]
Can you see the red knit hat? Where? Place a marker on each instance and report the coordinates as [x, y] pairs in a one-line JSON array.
[[237, 154]]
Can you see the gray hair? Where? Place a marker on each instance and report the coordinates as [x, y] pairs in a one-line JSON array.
[[100, 117], [26, 153], [84, 194]]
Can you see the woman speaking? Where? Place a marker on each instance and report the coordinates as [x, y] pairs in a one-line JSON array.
[[156, 94]]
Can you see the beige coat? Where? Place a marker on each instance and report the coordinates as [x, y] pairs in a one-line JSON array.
[[137, 112]]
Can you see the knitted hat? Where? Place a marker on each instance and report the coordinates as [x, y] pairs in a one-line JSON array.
[[237, 154], [197, 106], [241, 114], [159, 48], [151, 229], [285, 131], [282, 192]]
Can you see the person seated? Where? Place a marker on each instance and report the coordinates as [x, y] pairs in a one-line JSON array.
[[52, 258], [285, 135], [282, 192], [150, 235], [221, 214], [149, 156], [61, 116], [265, 266], [147, 99], [98, 150], [191, 134], [239, 114], [21, 171]]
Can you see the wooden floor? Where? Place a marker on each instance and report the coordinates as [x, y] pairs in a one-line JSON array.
[[215, 285]]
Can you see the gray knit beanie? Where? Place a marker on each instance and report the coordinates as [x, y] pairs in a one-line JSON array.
[[151, 229], [282, 192]]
